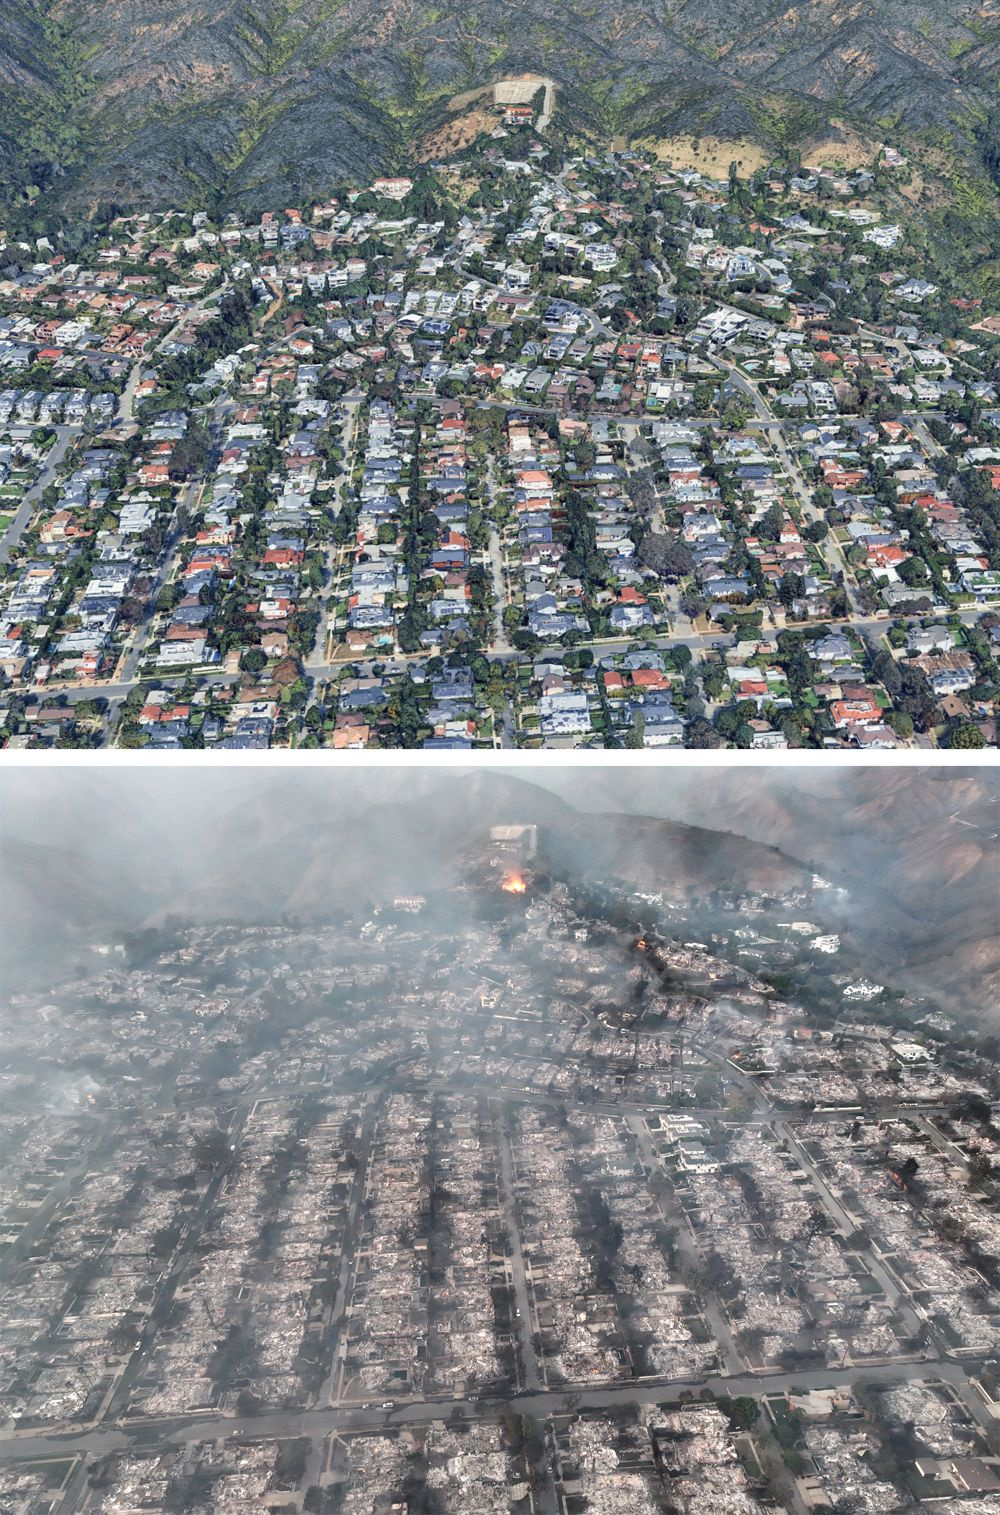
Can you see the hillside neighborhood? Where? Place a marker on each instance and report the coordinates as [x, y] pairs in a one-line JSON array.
[[521, 451]]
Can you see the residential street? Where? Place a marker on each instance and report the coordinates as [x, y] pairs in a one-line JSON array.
[[20, 521], [525, 1317], [323, 1422], [117, 689]]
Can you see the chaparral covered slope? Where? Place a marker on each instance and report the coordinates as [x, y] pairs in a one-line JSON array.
[[133, 102]]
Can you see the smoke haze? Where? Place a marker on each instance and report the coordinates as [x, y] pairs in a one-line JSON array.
[[87, 853]]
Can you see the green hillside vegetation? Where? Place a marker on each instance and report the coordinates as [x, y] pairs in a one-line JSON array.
[[124, 104]]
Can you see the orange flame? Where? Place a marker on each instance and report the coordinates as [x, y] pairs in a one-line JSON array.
[[514, 883]]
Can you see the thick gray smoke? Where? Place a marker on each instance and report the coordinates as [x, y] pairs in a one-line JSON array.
[[85, 854]]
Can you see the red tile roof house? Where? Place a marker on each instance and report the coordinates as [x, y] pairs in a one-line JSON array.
[[283, 556], [855, 712], [180, 633], [151, 715], [60, 526], [887, 557], [351, 735], [204, 562], [649, 678]]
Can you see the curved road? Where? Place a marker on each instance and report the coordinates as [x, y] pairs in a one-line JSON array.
[[21, 520]]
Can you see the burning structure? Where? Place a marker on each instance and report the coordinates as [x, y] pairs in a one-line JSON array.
[[511, 851]]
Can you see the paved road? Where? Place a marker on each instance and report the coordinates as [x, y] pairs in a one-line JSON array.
[[22, 517], [325, 1421], [533, 1398], [944, 1144], [337, 1313], [500, 645], [171, 1280], [59, 1192], [698, 640], [768, 421], [338, 1309], [126, 403], [516, 1094], [529, 1362], [326, 631], [144, 631], [837, 1210], [919, 428], [690, 1254]]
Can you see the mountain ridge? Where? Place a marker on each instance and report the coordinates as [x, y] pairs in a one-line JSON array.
[[916, 852], [144, 102], [331, 846], [916, 847]]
